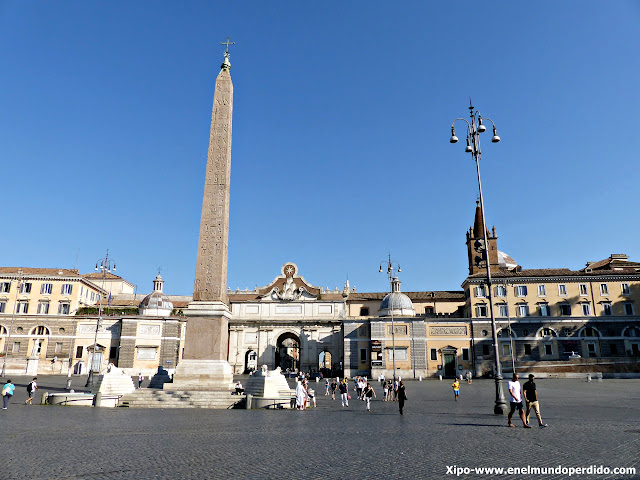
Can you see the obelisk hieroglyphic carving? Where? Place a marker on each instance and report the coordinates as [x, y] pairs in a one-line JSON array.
[[211, 267]]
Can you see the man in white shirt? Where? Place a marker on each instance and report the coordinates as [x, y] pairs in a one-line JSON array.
[[515, 390]]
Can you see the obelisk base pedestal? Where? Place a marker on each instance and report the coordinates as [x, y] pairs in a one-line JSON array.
[[207, 375]]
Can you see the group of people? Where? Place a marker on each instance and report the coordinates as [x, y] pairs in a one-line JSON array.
[[530, 396], [305, 396], [9, 388], [390, 389]]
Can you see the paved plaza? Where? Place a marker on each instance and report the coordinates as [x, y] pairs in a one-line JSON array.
[[595, 423]]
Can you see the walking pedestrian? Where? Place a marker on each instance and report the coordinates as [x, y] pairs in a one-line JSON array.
[[456, 389], [344, 393], [531, 397], [515, 390], [31, 391], [367, 394], [140, 379], [7, 393], [401, 396], [385, 391], [334, 386]]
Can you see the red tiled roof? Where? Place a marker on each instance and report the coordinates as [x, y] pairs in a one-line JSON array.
[[437, 295], [39, 271]]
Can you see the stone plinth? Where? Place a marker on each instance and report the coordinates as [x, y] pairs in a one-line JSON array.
[[193, 375], [114, 382]]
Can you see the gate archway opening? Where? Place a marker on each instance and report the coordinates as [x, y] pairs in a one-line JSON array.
[[288, 352]]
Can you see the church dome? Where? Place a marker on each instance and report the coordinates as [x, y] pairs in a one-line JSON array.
[[156, 303], [506, 262], [396, 303]]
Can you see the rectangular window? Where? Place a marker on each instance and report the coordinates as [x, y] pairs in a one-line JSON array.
[[46, 288], [16, 347], [364, 311], [523, 310], [401, 354], [434, 354], [542, 291], [5, 287], [583, 289], [624, 288], [548, 348], [506, 350], [481, 310], [521, 291], [527, 349], [604, 289], [503, 310], [613, 348], [565, 309], [23, 307], [628, 308], [562, 290], [66, 289], [485, 349], [79, 352], [544, 309], [147, 353], [3, 305], [606, 308], [429, 310], [113, 353], [25, 288], [586, 308], [43, 308], [363, 355], [465, 354], [58, 347], [63, 309], [501, 291], [480, 292], [591, 349]]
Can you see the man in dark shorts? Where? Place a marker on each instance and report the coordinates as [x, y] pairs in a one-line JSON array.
[[531, 396], [334, 385], [515, 390]]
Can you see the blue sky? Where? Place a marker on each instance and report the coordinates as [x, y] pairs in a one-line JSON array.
[[342, 115]]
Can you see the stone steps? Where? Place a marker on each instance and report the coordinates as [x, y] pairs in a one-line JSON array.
[[155, 398]]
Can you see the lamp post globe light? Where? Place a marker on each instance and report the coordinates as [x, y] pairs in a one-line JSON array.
[[475, 126], [104, 265], [391, 274]]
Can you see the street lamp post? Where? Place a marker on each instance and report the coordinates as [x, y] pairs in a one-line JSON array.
[[391, 273], [474, 128], [104, 265], [13, 314]]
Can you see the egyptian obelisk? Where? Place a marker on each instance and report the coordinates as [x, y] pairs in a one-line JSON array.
[[204, 365]]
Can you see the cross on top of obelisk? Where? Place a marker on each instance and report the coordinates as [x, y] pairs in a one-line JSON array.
[[227, 43], [226, 65]]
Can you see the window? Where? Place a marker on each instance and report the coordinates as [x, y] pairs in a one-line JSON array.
[[480, 293], [364, 311], [565, 309], [501, 291], [591, 349], [624, 288], [523, 310], [46, 288], [586, 308], [527, 349], [43, 308], [113, 352], [525, 332], [429, 310], [628, 308], [613, 348], [93, 296], [58, 347], [481, 310], [503, 310], [79, 352], [485, 349], [25, 287], [604, 289], [606, 308], [465, 354], [589, 332], [23, 307], [16, 347], [401, 354], [544, 309], [583, 289], [63, 309], [546, 332], [363, 355], [506, 350], [562, 290], [40, 330], [66, 289], [542, 291], [521, 291], [434, 354], [548, 348], [5, 287], [2, 306]]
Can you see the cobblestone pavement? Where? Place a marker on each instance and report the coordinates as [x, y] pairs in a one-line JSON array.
[[589, 424]]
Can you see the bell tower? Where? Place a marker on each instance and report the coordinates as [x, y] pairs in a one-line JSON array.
[[476, 246]]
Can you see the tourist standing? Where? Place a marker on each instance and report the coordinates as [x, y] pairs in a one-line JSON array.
[[140, 379], [334, 386], [367, 394], [531, 397], [300, 395], [401, 396], [385, 391], [456, 389], [515, 390], [344, 393], [7, 393], [395, 390], [326, 387], [31, 391]]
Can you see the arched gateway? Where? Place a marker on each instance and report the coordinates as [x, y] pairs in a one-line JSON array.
[[288, 352]]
